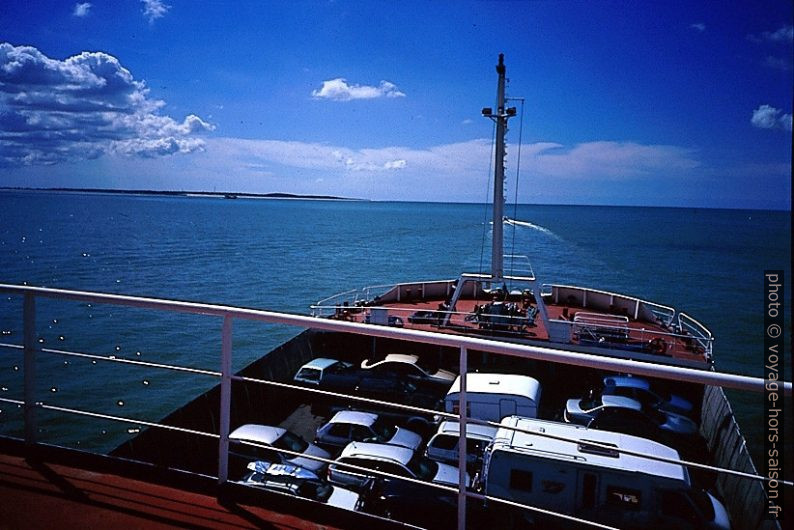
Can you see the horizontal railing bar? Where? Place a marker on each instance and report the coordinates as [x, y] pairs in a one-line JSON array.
[[442, 487], [311, 457], [691, 375], [456, 417], [113, 358], [121, 419], [370, 401]]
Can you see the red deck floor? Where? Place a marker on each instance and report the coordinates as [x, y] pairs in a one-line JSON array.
[[37, 495], [676, 347]]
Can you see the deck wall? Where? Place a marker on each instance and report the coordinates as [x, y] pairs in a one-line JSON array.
[[729, 450]]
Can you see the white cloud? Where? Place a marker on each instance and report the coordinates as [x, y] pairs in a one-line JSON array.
[[154, 9], [769, 117], [698, 26], [609, 160], [464, 160], [339, 90], [85, 106], [784, 34], [82, 9]]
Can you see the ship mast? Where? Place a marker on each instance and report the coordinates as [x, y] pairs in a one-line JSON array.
[[501, 117]]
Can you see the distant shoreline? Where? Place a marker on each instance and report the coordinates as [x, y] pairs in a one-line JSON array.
[[173, 193]]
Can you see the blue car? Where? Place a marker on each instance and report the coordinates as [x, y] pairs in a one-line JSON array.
[[640, 390]]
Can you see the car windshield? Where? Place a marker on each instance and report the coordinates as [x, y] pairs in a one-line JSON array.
[[291, 442], [337, 367], [317, 491], [422, 467], [383, 429], [425, 366]]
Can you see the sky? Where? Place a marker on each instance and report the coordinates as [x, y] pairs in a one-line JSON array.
[[675, 103]]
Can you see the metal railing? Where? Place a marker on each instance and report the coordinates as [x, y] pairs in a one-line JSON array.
[[228, 314], [587, 297]]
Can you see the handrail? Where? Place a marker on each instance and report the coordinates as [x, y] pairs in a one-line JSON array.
[[228, 313], [675, 373]]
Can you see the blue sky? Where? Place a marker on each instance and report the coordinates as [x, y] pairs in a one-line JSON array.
[[625, 103]]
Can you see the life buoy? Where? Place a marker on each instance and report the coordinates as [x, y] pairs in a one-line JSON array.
[[657, 346]]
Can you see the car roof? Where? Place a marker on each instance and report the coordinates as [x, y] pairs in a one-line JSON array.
[[620, 401], [400, 358], [257, 433], [379, 451], [622, 380], [473, 430], [355, 417], [321, 363], [533, 442], [519, 385]]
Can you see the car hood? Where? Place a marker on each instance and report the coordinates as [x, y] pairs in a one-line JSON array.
[[343, 498], [679, 424], [405, 438], [308, 463], [447, 474]]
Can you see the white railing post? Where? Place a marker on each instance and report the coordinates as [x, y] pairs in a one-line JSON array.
[[463, 416], [226, 399], [29, 345]]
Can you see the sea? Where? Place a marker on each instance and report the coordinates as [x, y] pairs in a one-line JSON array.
[[287, 254]]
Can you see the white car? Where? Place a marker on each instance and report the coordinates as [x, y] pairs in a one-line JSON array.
[[392, 459], [312, 372], [275, 438], [293, 480], [409, 366], [355, 426]]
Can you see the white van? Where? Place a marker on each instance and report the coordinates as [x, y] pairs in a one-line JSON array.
[[594, 483], [444, 445], [491, 397]]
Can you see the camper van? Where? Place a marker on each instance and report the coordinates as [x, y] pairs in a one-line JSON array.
[[491, 397], [595, 483]]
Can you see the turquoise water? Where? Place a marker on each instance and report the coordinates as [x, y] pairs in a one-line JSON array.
[[286, 254]]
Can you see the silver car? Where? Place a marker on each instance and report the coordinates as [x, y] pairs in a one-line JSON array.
[[392, 459], [355, 426], [275, 438]]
